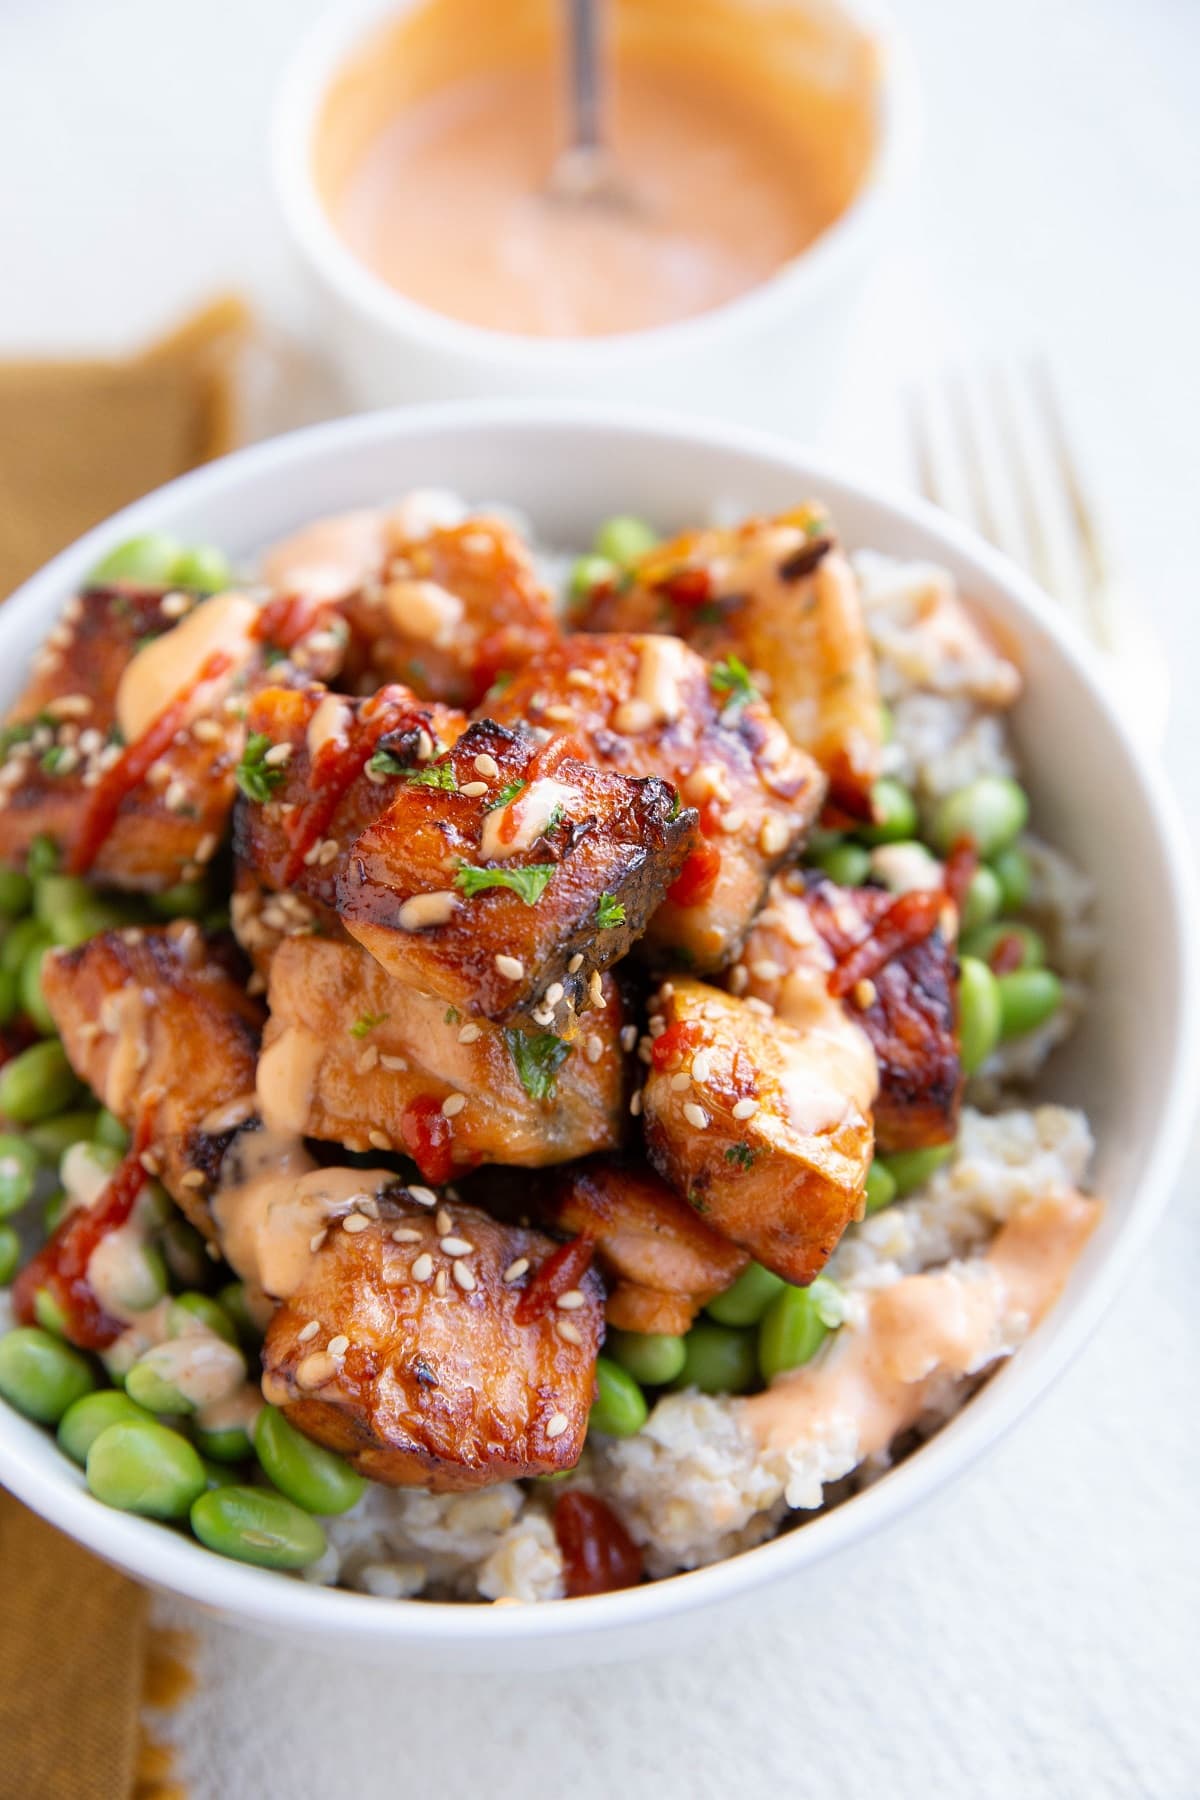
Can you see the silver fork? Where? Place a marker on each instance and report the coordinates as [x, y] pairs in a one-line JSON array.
[[990, 445]]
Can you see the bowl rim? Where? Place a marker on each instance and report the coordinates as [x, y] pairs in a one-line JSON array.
[[260, 1597], [334, 37]]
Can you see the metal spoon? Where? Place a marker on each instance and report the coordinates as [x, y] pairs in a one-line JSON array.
[[585, 172]]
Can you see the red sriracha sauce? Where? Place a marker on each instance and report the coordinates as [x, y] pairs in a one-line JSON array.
[[335, 769], [909, 920], [698, 876], [673, 1044], [557, 1276], [428, 1138], [287, 618], [61, 1265], [598, 1553]]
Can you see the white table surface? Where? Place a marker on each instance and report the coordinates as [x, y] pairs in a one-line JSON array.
[[1033, 1631]]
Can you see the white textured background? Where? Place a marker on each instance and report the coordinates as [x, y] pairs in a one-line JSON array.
[[1034, 1630]]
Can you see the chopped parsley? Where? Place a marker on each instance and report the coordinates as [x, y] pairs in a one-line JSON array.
[[609, 912], [558, 813], [507, 793], [530, 882], [367, 1022], [451, 1016], [676, 808], [741, 1154], [430, 775], [503, 680], [56, 756], [256, 777], [537, 1058], [731, 677]]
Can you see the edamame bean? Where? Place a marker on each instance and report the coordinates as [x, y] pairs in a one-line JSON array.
[[37, 1083], [256, 1526], [16, 893], [8, 996], [186, 900], [984, 898], [203, 568], [48, 1313], [142, 1279], [624, 539], [85, 1419], [990, 811], [110, 1132], [184, 1250], [229, 1445], [795, 1325], [143, 1467], [233, 1298], [1011, 869], [910, 1169], [40, 1375], [978, 1013], [652, 1357], [29, 991], [588, 572], [146, 1384], [26, 936], [881, 1187], [200, 1312], [42, 857], [18, 1171], [150, 558], [718, 1359], [218, 1474], [52, 1138], [847, 864], [894, 813], [748, 1299], [52, 1212], [307, 1473], [983, 943], [10, 1254], [73, 912], [905, 865], [619, 1409], [1028, 997]]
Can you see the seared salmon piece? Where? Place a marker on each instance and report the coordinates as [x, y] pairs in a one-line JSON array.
[[515, 877], [435, 1363], [661, 1260], [771, 1139], [779, 595], [443, 607], [386, 1067], [651, 706], [154, 1021]]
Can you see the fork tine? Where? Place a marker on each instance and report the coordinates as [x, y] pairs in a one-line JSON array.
[[921, 440], [1090, 545], [1041, 560], [971, 449]]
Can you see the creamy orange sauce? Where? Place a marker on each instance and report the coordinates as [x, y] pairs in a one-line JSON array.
[[169, 664], [286, 1074], [879, 1375], [330, 558], [740, 138]]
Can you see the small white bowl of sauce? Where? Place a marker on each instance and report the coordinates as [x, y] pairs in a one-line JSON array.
[[763, 141]]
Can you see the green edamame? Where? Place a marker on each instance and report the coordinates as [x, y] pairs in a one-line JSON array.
[[1028, 997], [307, 1473], [256, 1526], [149, 559], [29, 992], [794, 1327], [186, 900], [619, 1409], [52, 1138], [233, 1299], [10, 1254], [984, 898], [110, 1132], [48, 1313], [18, 1172], [910, 1169], [26, 936], [218, 1474], [140, 1466], [983, 943], [881, 1187], [847, 864], [8, 996], [200, 1312], [989, 813], [229, 1445], [203, 568], [72, 912], [748, 1299], [894, 813], [979, 1013], [43, 856], [589, 572], [40, 1375], [653, 1358], [16, 893], [183, 1248], [146, 1384], [86, 1418], [54, 1211], [142, 1280], [624, 539], [718, 1359], [1011, 869], [37, 1083]]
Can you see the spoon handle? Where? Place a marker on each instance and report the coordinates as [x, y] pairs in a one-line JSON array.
[[583, 32]]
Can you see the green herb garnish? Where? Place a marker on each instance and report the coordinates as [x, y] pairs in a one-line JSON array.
[[52, 761], [731, 677], [537, 1058], [256, 777], [741, 1154], [367, 1022], [430, 775], [530, 882], [507, 793], [451, 1016], [609, 912]]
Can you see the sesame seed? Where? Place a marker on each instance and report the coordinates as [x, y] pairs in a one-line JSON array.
[[509, 966], [194, 1178], [423, 1196], [175, 798], [761, 1008], [328, 852], [367, 1060], [568, 1331], [315, 1242], [739, 979], [396, 1064], [150, 1162], [572, 1300], [556, 1424], [702, 1065], [680, 1080], [596, 989], [666, 992], [316, 1369], [657, 1026], [593, 1048], [355, 1222], [422, 1267], [452, 1105], [379, 1140], [311, 855], [307, 1332], [575, 964], [560, 715], [207, 731], [278, 754], [469, 1033], [732, 821], [368, 1204], [404, 1234], [865, 993], [516, 1269], [456, 1246], [773, 838], [629, 1037], [426, 909], [633, 716], [745, 1109], [69, 706], [635, 1105], [764, 969], [473, 789], [338, 1346], [173, 606], [580, 678], [695, 1115], [424, 746], [487, 765], [464, 1277], [440, 1284], [443, 1222], [543, 1015]]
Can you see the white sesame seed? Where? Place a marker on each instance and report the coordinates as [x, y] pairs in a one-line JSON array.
[[173, 606], [657, 1026], [175, 798], [543, 1015], [423, 1196], [554, 993], [575, 964], [568, 1331], [596, 989], [865, 993], [316, 1369], [328, 853], [680, 1080], [422, 1267], [440, 1284], [764, 969], [760, 1007], [307, 1332], [338, 1346], [424, 746], [456, 1246], [702, 1065], [739, 979], [473, 789], [355, 1222], [426, 909], [315, 1242], [635, 1105], [150, 1162], [593, 1048], [207, 731], [278, 754], [464, 1277], [509, 966], [367, 1060], [396, 1064], [745, 1109], [580, 678], [695, 1115], [572, 1300], [516, 1269], [379, 1140], [443, 1222], [666, 992], [487, 765], [194, 1178], [311, 855], [773, 838], [560, 715], [556, 1424], [469, 1033], [629, 1037], [404, 1234], [452, 1105]]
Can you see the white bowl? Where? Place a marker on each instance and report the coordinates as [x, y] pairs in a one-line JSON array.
[[770, 357], [1132, 1064]]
